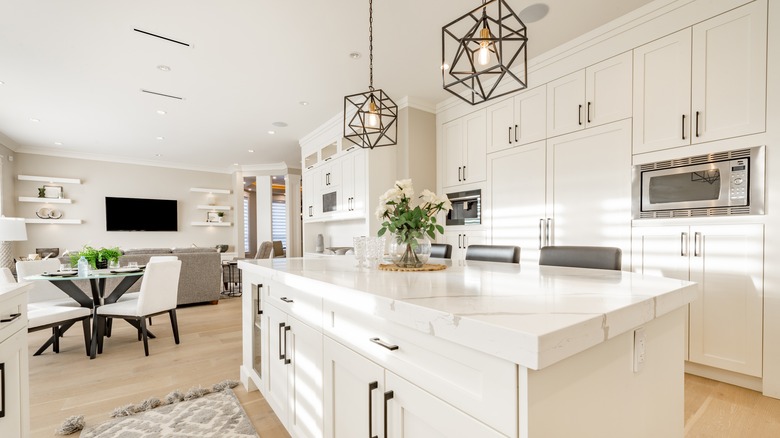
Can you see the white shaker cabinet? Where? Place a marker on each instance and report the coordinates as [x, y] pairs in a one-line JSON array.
[[464, 150], [574, 189], [517, 121], [14, 386], [589, 188], [517, 188], [294, 379], [725, 322], [597, 95], [703, 83], [353, 183]]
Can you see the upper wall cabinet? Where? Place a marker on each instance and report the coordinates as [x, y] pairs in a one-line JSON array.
[[465, 152], [517, 121], [597, 95], [702, 84]]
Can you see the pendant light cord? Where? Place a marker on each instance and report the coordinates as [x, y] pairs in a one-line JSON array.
[[370, 45]]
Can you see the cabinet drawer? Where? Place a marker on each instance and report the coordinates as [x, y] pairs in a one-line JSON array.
[[480, 385], [12, 306], [304, 305]]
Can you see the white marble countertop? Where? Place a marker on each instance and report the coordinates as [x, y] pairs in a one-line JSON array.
[[531, 315]]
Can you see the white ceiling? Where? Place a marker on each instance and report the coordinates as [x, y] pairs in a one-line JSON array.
[[78, 67]]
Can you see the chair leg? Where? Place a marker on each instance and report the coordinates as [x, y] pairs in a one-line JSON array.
[[101, 330], [96, 321], [44, 346], [87, 340], [142, 321], [55, 334], [174, 325], [109, 325]]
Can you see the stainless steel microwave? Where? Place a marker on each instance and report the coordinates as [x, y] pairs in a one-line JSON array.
[[466, 208], [725, 183]]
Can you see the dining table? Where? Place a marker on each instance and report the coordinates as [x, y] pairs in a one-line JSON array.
[[66, 282]]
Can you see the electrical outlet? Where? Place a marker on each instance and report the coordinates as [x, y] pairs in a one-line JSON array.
[[640, 347]]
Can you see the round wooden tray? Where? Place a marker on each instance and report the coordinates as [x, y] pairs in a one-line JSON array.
[[425, 267]]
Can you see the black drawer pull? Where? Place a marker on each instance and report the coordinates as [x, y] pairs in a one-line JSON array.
[[384, 344], [286, 300], [371, 387], [11, 317], [388, 396]]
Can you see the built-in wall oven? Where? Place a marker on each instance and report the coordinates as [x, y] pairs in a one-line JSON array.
[[466, 208], [725, 183]]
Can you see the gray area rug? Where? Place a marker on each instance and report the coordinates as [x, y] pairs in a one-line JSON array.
[[215, 415]]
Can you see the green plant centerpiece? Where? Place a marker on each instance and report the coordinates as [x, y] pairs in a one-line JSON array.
[[97, 258], [411, 225]]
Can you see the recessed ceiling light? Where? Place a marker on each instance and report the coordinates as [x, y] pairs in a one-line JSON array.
[[58, 143], [161, 112], [163, 68], [355, 55], [35, 120], [303, 103], [279, 124], [250, 150], [160, 138], [272, 132], [534, 13], [235, 164]]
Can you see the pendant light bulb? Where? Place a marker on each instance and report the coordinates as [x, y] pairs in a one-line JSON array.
[[483, 54], [372, 118]]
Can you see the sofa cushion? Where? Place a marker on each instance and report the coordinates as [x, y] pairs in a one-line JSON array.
[[134, 251], [192, 250]]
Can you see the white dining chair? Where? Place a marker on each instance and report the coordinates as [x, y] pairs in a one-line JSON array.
[[45, 310], [158, 294]]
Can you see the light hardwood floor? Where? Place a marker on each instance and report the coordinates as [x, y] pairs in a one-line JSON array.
[[210, 351]]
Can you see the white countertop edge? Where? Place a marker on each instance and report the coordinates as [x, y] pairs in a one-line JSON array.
[[525, 349]]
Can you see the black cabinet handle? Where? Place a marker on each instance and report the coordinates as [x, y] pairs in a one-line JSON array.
[[683, 126], [11, 317], [371, 387], [697, 123], [259, 288], [281, 353], [388, 395], [464, 173], [588, 118], [459, 177], [3, 386], [286, 359], [510, 135], [579, 115], [515, 133], [286, 300], [384, 344]]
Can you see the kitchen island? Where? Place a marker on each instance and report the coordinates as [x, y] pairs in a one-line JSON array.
[[478, 349]]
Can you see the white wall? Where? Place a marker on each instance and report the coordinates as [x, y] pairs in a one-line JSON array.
[[100, 179]]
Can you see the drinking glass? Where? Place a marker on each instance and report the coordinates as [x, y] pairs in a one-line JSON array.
[[65, 267], [359, 244], [375, 250], [132, 265], [113, 264]]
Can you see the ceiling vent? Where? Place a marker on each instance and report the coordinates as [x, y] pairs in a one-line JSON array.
[[161, 37], [170, 96]]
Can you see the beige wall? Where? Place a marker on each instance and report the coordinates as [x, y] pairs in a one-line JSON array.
[[416, 148], [100, 179]]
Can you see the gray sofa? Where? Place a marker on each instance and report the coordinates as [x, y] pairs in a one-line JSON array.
[[200, 280]]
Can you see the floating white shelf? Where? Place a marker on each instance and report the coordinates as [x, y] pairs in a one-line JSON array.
[[215, 191], [211, 224], [53, 221], [215, 207], [45, 200], [49, 179]]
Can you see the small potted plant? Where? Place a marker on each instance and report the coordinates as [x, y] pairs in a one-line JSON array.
[[107, 255], [220, 215], [88, 252]]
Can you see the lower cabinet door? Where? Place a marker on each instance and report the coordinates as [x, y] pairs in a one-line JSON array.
[[413, 412], [14, 401], [276, 379], [353, 393], [304, 413]]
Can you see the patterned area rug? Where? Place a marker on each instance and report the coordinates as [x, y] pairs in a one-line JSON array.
[[215, 415]]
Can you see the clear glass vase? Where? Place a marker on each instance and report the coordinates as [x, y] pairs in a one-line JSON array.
[[411, 254]]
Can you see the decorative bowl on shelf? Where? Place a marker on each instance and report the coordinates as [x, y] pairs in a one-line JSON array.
[[222, 247]]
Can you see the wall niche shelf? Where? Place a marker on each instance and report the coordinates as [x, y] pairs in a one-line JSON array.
[[49, 179], [215, 207], [53, 221], [214, 191], [211, 224], [45, 200]]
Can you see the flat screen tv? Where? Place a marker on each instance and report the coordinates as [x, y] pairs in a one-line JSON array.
[[137, 214]]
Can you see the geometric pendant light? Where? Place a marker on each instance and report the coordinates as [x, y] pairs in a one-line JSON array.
[[370, 118], [479, 51]]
